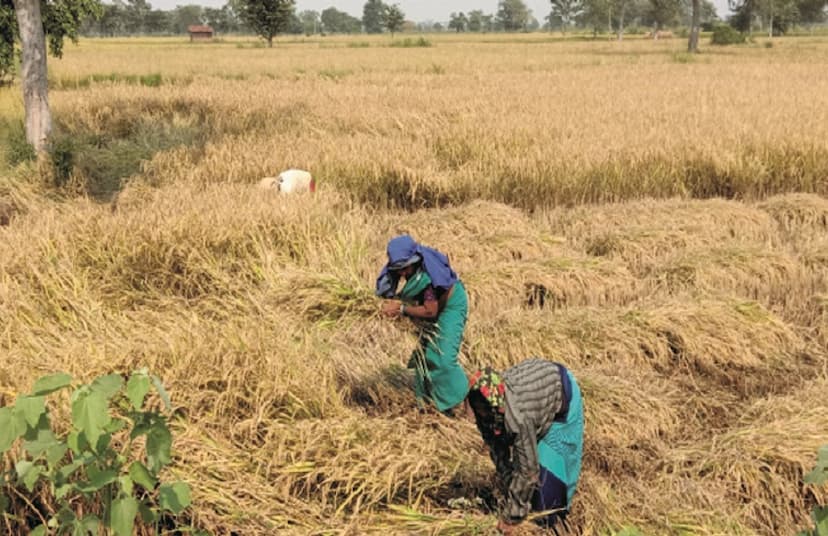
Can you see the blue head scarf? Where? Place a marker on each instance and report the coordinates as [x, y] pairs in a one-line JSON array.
[[403, 251]]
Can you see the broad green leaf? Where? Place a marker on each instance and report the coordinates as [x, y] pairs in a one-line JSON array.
[[820, 515], [33, 432], [141, 476], [148, 515], [156, 381], [56, 453], [77, 441], [89, 525], [90, 415], [159, 443], [12, 426], [83, 390], [68, 470], [108, 385], [28, 473], [115, 426], [63, 490], [98, 479], [39, 530], [174, 497], [65, 516], [123, 515], [137, 388], [820, 473], [50, 384], [31, 407], [140, 424], [125, 483], [43, 440], [103, 443]]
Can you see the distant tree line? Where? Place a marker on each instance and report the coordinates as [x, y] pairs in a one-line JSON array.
[[269, 18]]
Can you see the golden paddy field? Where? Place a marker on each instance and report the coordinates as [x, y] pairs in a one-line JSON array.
[[656, 221]]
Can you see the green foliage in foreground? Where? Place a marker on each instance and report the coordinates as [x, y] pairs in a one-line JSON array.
[[94, 466], [819, 476]]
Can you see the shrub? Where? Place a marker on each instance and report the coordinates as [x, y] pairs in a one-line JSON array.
[[724, 34], [62, 155], [683, 57], [91, 473], [411, 43], [18, 149], [819, 476]]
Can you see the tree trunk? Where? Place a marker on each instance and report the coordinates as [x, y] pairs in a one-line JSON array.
[[693, 42], [621, 22], [609, 21], [35, 82], [269, 41], [770, 25]]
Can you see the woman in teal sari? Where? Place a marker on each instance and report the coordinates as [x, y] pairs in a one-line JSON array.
[[435, 298]]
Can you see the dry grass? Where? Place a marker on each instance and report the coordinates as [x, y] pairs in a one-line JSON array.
[[698, 328]]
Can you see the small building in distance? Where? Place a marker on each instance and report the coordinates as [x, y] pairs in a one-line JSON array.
[[200, 33]]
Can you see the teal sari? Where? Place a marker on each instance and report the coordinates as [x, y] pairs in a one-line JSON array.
[[438, 375]]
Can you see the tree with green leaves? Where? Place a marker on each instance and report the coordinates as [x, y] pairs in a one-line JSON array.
[[565, 11], [222, 20], [488, 22], [812, 12], [311, 23], [700, 12], [393, 19], [695, 27], [267, 18], [619, 11], [778, 15], [158, 21], [595, 14], [475, 21], [512, 15], [7, 37], [458, 22], [662, 13], [136, 15], [335, 21], [33, 22], [111, 21], [185, 16], [373, 16]]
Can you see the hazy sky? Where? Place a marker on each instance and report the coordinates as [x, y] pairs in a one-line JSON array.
[[416, 10]]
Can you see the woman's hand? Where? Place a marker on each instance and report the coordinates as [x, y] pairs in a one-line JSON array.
[[506, 528], [391, 308]]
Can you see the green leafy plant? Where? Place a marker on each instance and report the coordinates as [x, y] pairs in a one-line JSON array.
[[411, 43], [724, 34], [94, 472], [819, 476]]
